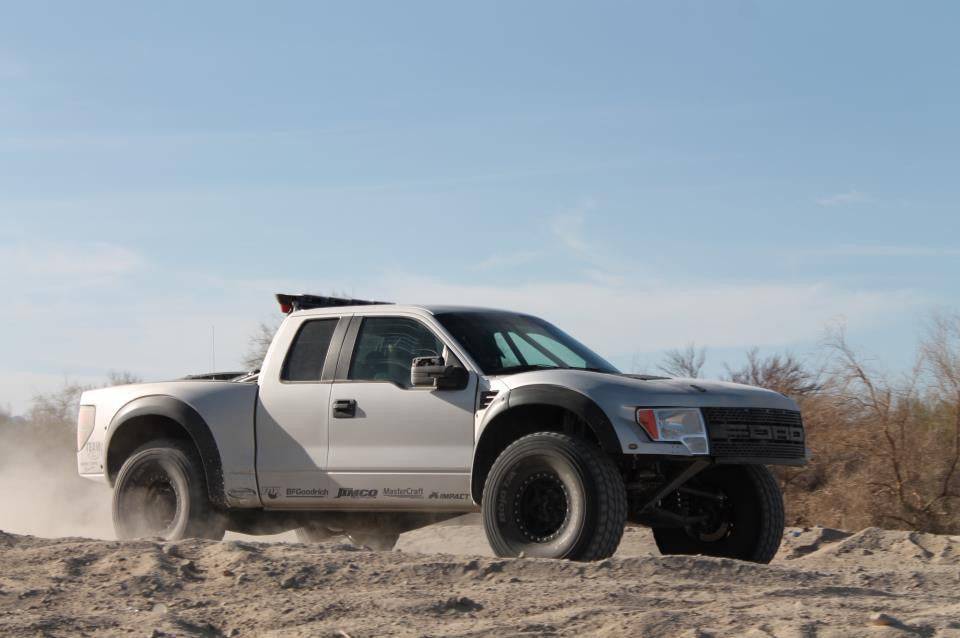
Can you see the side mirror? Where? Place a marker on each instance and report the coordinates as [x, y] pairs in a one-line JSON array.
[[431, 372]]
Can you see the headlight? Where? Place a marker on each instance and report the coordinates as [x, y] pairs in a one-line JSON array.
[[678, 425], [85, 422]]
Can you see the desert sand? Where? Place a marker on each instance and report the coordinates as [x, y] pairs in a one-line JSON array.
[[441, 581]]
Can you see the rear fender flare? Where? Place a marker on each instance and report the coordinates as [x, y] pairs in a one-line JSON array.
[[186, 417]]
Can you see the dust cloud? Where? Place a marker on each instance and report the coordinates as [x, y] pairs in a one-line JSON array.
[[41, 492]]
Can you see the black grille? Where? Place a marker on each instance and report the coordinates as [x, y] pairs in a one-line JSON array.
[[755, 433]]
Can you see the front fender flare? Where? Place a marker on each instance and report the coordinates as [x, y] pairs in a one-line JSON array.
[[543, 395], [577, 403]]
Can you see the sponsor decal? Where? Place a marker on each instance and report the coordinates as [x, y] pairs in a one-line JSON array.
[[449, 496], [403, 492], [272, 492], [352, 492], [92, 451], [307, 492]]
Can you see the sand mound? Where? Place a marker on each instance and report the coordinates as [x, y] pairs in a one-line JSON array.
[[821, 584], [908, 548], [464, 536]]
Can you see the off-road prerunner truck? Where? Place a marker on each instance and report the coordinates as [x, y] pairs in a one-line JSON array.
[[369, 419]]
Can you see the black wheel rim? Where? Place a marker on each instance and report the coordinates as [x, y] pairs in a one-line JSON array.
[[155, 500], [714, 508], [542, 507]]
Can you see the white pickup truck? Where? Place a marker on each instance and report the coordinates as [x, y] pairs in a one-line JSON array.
[[369, 419]]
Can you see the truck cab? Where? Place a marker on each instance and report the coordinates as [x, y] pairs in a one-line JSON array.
[[341, 424]]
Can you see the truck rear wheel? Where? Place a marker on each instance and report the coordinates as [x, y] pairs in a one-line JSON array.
[[741, 512], [554, 496], [161, 492]]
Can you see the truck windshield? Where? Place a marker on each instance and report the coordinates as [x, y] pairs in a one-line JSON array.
[[505, 343]]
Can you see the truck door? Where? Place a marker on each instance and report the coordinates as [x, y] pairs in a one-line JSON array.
[[391, 443], [292, 411]]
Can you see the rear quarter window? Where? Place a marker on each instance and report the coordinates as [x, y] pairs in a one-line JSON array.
[[308, 351]]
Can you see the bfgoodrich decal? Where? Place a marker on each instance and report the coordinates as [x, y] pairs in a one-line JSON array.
[[307, 492]]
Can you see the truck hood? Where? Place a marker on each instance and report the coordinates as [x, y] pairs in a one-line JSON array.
[[623, 390]]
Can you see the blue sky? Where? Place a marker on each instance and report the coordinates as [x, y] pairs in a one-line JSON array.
[[645, 175]]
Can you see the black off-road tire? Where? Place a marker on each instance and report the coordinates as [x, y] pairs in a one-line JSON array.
[[753, 509], [161, 492], [551, 495]]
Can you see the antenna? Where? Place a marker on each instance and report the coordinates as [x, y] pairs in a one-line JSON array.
[[213, 348]]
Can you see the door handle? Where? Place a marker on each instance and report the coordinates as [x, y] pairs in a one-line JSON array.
[[344, 409]]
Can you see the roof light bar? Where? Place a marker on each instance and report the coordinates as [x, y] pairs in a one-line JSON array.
[[292, 303]]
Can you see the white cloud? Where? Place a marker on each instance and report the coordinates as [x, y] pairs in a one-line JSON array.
[[847, 198], [569, 230], [569, 240], [622, 315], [74, 263], [11, 69], [508, 260]]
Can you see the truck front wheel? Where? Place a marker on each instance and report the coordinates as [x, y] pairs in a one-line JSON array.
[[551, 495], [738, 511], [161, 492]]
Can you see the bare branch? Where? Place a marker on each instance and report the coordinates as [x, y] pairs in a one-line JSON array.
[[783, 373], [685, 363], [259, 343]]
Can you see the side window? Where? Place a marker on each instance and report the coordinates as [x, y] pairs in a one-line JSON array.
[[386, 347], [305, 358]]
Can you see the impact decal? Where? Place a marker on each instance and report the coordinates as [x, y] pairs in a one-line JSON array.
[[449, 496]]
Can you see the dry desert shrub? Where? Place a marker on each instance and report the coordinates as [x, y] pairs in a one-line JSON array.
[[886, 451]]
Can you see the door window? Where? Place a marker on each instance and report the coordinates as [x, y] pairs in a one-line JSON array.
[[308, 351], [386, 346]]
